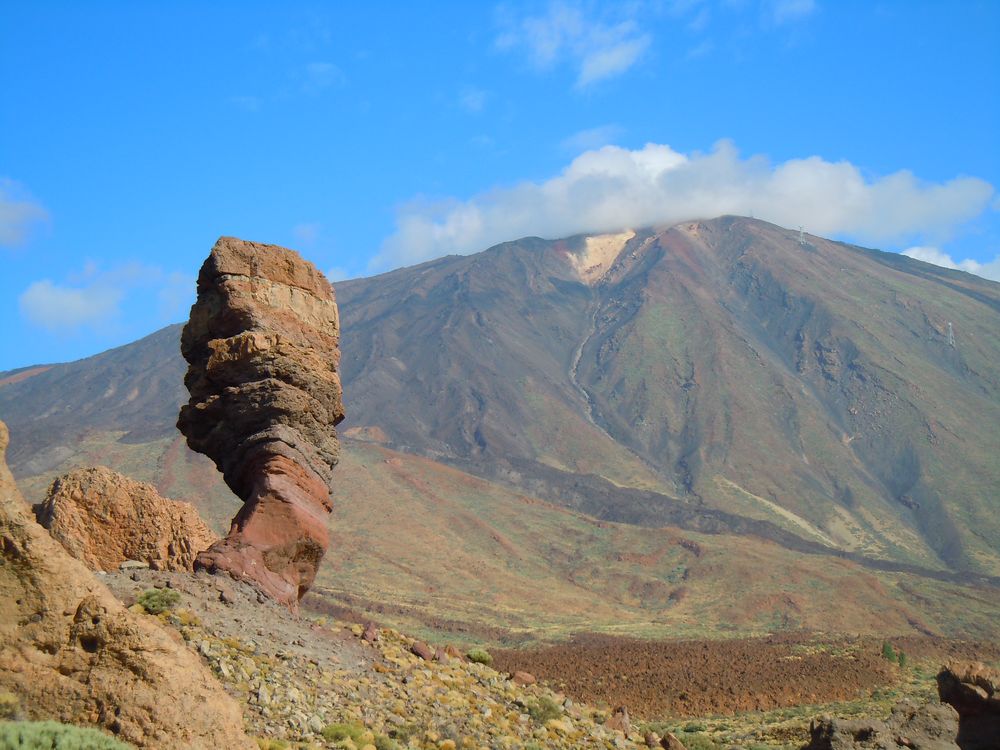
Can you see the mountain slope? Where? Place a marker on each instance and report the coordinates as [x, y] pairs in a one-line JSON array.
[[724, 375], [726, 363]]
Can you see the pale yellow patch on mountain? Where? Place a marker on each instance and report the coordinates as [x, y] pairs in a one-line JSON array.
[[599, 252]]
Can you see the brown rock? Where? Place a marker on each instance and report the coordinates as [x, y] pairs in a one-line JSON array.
[[71, 652], [371, 633], [106, 519], [670, 742], [263, 348], [421, 649], [619, 720], [523, 678], [931, 726], [973, 690]]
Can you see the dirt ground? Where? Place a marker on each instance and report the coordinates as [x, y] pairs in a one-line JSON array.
[[657, 679]]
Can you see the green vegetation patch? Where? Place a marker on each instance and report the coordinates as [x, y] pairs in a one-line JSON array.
[[544, 709], [51, 735], [480, 656], [335, 732], [158, 601]]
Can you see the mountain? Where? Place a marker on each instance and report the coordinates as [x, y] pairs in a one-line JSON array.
[[846, 396], [811, 406]]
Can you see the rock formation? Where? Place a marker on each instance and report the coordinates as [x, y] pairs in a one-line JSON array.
[[104, 518], [263, 348], [973, 689], [70, 651], [931, 726]]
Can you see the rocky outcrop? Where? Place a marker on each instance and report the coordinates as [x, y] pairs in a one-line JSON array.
[[104, 518], [932, 726], [973, 689], [262, 345], [70, 651]]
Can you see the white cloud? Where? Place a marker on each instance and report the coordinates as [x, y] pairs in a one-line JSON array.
[[591, 138], [786, 11], [18, 213], [597, 49], [175, 295], [63, 309], [938, 257], [319, 76], [473, 100], [94, 299], [612, 188]]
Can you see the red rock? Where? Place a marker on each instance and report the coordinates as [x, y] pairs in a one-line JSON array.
[[371, 633], [421, 649], [523, 678], [262, 345]]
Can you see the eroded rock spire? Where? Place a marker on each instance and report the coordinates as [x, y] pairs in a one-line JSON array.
[[262, 346]]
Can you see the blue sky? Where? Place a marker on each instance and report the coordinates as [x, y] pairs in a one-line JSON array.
[[369, 136]]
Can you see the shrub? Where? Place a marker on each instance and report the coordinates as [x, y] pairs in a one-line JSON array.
[[157, 601], [543, 709], [385, 743], [480, 656], [334, 732], [901, 658], [51, 735], [699, 741], [888, 652], [10, 707]]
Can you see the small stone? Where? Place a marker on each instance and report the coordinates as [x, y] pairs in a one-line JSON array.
[[670, 742], [421, 649], [226, 593]]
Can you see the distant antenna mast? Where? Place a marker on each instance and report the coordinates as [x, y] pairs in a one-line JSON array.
[[802, 237], [951, 335]]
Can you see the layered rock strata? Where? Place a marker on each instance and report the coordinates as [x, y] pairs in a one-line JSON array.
[[104, 518], [70, 651], [262, 346]]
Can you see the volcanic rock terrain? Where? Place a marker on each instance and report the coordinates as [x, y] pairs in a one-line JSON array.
[[70, 651], [104, 518], [718, 375], [684, 377], [262, 345]]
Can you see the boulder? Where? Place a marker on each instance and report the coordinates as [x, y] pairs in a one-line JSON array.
[[108, 521], [71, 652], [262, 345], [973, 689], [619, 720], [931, 726]]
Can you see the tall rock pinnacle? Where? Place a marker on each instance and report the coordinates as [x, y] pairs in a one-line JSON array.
[[262, 346]]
